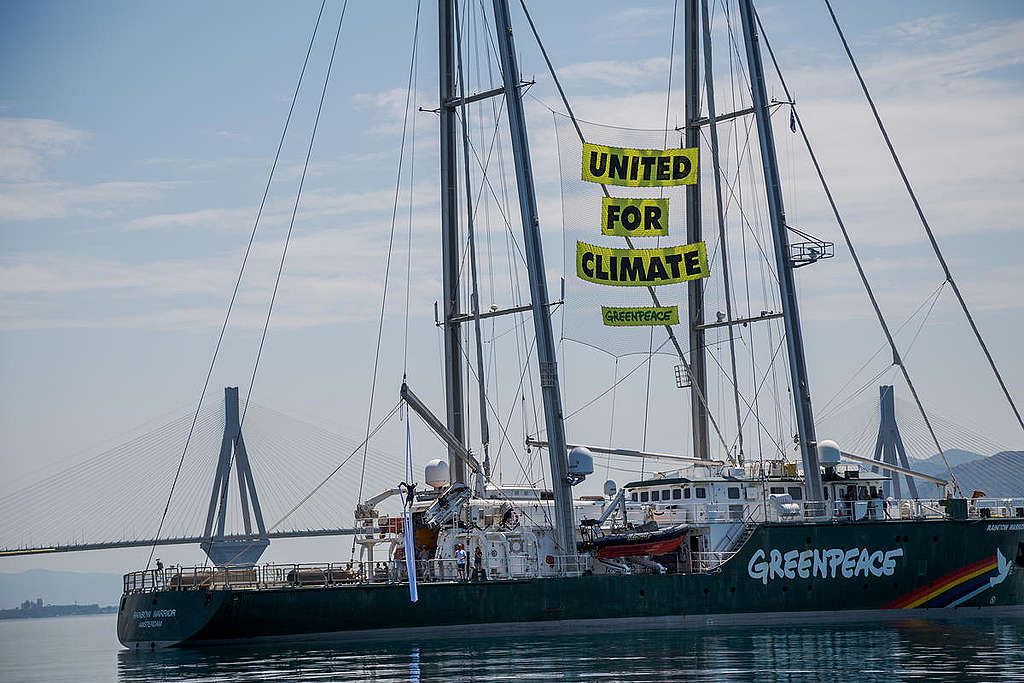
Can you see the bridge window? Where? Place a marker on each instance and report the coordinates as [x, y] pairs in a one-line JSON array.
[[655, 495], [777, 489], [795, 492], [701, 492], [634, 496], [734, 492], [644, 496], [686, 493], [677, 494], [664, 494]]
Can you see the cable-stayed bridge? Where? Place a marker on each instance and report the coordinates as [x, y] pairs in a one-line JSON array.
[[248, 479], [285, 478]]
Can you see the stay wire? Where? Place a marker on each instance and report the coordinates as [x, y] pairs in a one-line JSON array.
[[924, 221], [412, 177], [650, 290], [241, 271], [853, 252], [295, 210], [391, 243]]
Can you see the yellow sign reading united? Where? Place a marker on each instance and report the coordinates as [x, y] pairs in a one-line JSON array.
[[635, 316], [639, 167], [641, 267], [634, 217]]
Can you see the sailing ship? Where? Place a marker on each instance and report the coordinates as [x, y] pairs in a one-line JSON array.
[[712, 542]]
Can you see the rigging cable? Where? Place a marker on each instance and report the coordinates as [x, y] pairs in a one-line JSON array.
[[856, 259], [238, 280], [654, 296], [723, 244], [650, 344], [295, 209], [391, 244], [924, 221], [408, 246]]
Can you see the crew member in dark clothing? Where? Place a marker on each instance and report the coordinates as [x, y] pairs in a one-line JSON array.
[[478, 565]]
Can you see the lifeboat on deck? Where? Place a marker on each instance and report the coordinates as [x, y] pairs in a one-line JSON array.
[[655, 542]]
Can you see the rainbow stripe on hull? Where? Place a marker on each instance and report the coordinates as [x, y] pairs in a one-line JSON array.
[[956, 587]]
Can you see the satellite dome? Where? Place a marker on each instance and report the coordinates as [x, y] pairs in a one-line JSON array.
[[436, 473], [828, 453], [581, 462]]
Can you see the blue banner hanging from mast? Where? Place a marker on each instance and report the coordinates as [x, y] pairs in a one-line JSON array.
[[407, 528]]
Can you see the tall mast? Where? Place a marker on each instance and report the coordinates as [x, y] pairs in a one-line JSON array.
[[564, 524], [450, 237], [709, 87], [474, 303], [695, 291], [787, 287]]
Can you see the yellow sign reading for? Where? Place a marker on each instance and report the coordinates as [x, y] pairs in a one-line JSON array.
[[634, 217], [639, 167], [648, 315], [640, 267]]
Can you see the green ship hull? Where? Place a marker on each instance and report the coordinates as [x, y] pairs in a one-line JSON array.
[[783, 572]]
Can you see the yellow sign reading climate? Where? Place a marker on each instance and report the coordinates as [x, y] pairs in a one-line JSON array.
[[631, 317], [639, 167], [634, 217], [641, 267]]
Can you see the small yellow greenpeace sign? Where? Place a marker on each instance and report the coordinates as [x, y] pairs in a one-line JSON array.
[[631, 317], [639, 167], [640, 267], [634, 217]]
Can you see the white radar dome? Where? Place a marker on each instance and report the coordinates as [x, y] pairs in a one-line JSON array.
[[610, 489], [581, 462], [828, 453], [436, 473]]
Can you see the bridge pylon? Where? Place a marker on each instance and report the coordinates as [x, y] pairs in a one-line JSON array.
[[235, 552], [889, 444]]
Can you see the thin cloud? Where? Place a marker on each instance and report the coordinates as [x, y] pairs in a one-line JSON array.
[[26, 145]]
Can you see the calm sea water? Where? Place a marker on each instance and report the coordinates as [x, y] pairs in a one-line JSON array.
[[86, 649]]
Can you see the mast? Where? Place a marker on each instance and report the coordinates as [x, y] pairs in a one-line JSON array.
[[787, 287], [695, 291], [450, 237], [709, 87], [565, 533], [475, 291]]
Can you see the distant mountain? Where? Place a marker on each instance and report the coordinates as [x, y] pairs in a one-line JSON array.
[[934, 465], [59, 588], [999, 476]]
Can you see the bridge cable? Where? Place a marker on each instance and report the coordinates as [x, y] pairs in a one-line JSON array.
[[241, 270], [924, 221]]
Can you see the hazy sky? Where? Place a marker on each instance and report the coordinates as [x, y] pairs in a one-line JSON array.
[[135, 139]]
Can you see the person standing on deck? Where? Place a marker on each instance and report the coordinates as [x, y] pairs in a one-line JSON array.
[[478, 565], [460, 561]]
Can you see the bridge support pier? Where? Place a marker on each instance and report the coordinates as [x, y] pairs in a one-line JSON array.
[[889, 444], [234, 552]]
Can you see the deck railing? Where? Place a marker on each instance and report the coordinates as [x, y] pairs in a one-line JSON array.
[[337, 574], [835, 510]]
